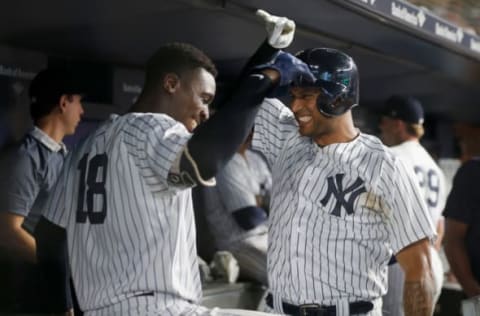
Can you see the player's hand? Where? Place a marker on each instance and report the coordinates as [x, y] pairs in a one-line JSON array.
[[290, 68], [280, 29]]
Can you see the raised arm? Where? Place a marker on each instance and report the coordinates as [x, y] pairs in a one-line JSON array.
[[215, 141]]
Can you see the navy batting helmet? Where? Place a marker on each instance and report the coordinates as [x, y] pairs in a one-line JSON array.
[[336, 75]]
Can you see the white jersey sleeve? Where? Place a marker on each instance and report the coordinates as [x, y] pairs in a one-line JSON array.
[[273, 124], [157, 142], [259, 169], [154, 142], [410, 220]]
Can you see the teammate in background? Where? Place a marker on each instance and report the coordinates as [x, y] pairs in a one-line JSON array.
[[341, 203], [56, 110], [124, 199], [235, 211], [462, 213], [401, 128]]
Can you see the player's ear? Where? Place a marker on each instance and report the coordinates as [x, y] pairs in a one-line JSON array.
[[171, 82], [63, 101]]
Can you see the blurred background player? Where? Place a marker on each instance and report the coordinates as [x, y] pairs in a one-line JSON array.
[[401, 128], [123, 202], [56, 110], [341, 202], [462, 213], [236, 212]]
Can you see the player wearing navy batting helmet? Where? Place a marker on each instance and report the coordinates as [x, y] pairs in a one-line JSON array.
[[123, 202], [341, 202], [336, 76]]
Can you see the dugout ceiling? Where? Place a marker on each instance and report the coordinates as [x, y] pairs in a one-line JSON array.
[[398, 48]]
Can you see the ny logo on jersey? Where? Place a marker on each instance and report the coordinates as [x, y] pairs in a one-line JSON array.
[[335, 188]]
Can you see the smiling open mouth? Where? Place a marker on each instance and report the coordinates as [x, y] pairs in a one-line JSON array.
[[304, 119]]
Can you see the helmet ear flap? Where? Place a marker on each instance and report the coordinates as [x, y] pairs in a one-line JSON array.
[[332, 106], [337, 77]]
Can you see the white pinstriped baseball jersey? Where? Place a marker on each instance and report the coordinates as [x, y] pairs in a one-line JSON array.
[[130, 228], [430, 177], [337, 212], [260, 170], [237, 187]]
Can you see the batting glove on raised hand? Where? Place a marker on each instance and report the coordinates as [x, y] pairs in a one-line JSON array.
[[290, 68], [280, 29]]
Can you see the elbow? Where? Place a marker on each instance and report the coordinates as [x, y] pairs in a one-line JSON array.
[[421, 285], [417, 260], [422, 272], [427, 271]]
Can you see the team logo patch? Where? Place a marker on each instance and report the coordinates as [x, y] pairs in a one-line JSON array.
[[335, 189], [182, 179]]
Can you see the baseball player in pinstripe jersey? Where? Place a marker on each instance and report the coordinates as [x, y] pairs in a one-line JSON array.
[[401, 127], [123, 202], [341, 203], [235, 215]]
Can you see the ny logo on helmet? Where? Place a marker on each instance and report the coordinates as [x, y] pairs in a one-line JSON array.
[[335, 188]]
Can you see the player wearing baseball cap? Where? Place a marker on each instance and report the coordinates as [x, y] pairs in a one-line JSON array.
[[401, 128], [56, 109]]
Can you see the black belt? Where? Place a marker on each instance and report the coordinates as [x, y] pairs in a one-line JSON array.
[[360, 307]]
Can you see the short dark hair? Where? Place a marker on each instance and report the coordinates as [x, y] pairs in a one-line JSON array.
[[176, 58], [47, 87], [39, 110]]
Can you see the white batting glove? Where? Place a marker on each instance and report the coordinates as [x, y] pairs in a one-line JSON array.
[[280, 29]]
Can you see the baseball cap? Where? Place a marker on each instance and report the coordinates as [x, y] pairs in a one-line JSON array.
[[48, 86], [407, 109]]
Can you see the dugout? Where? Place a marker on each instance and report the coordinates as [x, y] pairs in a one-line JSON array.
[[400, 48]]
